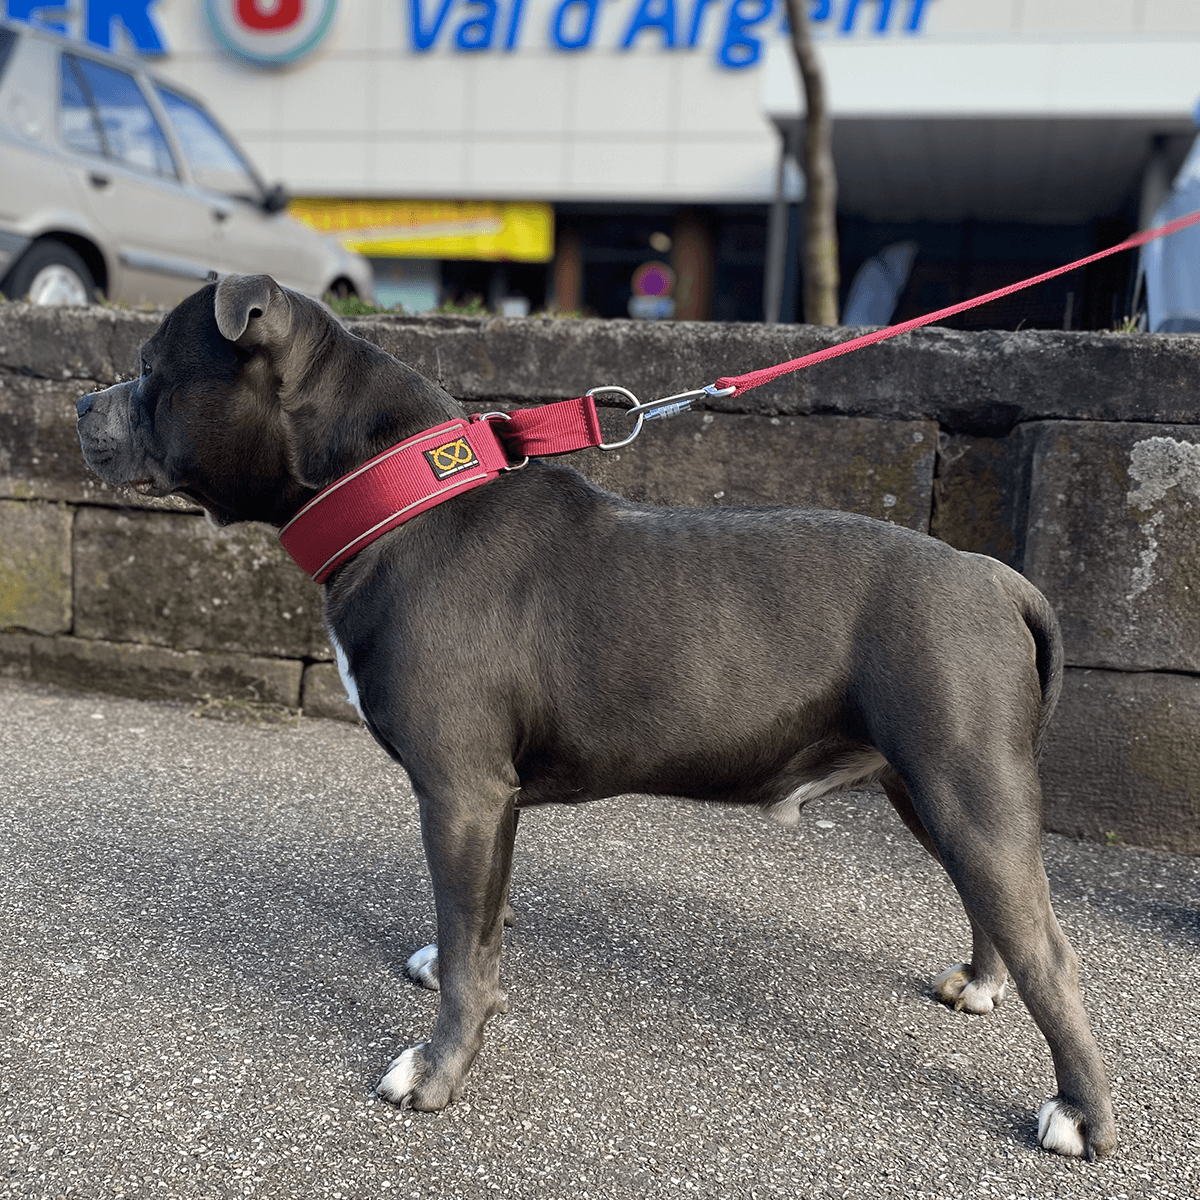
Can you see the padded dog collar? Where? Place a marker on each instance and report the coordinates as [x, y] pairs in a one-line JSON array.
[[425, 470]]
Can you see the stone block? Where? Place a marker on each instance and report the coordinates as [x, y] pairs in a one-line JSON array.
[[40, 457], [1122, 759], [322, 694], [149, 672], [1111, 540], [983, 383], [35, 566], [93, 343], [39, 448], [981, 494], [881, 468], [172, 580]]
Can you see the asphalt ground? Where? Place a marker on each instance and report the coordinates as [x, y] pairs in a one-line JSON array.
[[204, 928]]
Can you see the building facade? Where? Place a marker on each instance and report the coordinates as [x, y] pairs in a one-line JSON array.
[[541, 152]]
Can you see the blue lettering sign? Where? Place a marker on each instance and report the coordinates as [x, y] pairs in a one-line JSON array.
[[134, 15], [914, 17], [885, 11], [696, 29], [822, 10], [514, 25], [882, 17], [476, 34], [573, 23], [652, 14], [37, 12], [738, 49], [422, 38]]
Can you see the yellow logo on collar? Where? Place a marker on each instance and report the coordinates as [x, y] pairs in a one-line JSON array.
[[450, 458]]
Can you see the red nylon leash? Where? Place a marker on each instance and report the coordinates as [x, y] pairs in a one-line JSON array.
[[753, 379], [466, 453]]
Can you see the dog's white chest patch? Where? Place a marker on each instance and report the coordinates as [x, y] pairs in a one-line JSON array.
[[343, 666]]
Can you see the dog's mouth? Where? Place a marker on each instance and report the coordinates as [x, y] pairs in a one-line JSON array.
[[147, 487]]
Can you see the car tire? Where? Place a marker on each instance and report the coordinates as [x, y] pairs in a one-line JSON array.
[[50, 272]]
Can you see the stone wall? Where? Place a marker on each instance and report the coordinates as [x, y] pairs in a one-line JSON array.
[[1073, 457]]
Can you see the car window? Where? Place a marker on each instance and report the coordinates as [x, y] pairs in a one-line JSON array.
[[132, 135], [78, 125], [7, 39], [214, 160]]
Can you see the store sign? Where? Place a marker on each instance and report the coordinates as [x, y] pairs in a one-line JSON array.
[[434, 229], [470, 26], [274, 32], [270, 33], [100, 21], [264, 32]]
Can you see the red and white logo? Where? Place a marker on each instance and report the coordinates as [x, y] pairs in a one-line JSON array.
[[270, 32]]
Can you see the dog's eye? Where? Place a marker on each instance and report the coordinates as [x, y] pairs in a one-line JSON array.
[[146, 368]]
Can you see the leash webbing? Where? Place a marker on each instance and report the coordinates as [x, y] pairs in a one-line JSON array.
[[465, 453], [753, 379]]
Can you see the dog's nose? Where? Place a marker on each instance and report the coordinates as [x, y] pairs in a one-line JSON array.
[[84, 403]]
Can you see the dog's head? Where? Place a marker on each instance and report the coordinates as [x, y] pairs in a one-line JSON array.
[[250, 398]]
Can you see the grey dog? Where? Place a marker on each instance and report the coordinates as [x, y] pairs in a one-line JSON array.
[[490, 646]]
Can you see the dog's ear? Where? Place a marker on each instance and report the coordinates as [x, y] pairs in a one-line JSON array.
[[253, 310]]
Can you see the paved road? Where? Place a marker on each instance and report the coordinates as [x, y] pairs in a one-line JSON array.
[[204, 925]]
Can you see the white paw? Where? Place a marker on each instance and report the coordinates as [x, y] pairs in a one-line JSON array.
[[422, 967], [1060, 1128], [958, 987], [402, 1076]]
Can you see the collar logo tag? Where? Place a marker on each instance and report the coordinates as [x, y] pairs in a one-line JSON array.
[[450, 458]]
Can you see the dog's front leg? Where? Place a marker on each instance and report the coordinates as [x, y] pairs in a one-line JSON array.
[[468, 845], [422, 964]]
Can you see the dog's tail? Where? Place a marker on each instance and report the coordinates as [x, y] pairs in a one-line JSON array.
[[1047, 639]]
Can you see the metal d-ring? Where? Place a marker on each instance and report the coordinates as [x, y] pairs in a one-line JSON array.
[[596, 391], [654, 410], [511, 466]]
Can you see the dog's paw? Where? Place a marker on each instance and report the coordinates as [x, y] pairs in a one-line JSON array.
[[1062, 1128], [400, 1080], [409, 1082], [422, 968], [958, 987]]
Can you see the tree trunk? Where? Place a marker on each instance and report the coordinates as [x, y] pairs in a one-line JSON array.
[[820, 179]]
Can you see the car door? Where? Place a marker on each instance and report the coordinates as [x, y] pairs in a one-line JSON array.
[[252, 237], [165, 234]]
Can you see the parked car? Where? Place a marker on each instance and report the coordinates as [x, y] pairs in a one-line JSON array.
[[115, 183]]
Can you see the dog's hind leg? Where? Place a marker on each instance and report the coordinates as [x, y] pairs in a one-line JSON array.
[[510, 916], [988, 836], [976, 986], [469, 846]]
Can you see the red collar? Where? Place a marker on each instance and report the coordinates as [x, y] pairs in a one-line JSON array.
[[425, 470]]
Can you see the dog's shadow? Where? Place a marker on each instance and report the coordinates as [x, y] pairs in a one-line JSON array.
[[315, 936]]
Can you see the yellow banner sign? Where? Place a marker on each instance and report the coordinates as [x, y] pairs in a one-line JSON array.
[[498, 232]]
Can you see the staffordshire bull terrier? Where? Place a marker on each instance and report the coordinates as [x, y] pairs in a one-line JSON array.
[[491, 646]]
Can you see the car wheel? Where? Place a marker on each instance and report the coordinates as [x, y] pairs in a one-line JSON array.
[[51, 272]]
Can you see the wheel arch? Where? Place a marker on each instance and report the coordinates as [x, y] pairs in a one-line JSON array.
[[87, 249]]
